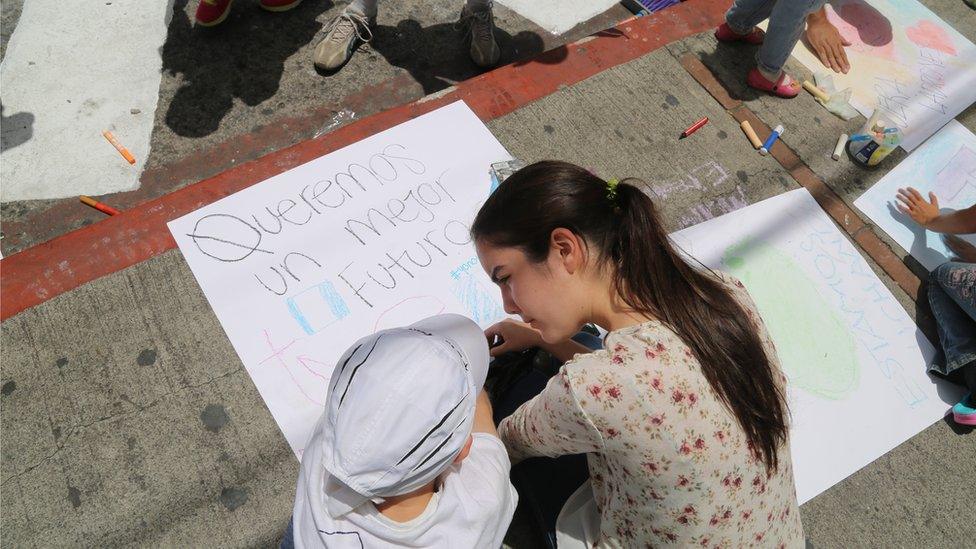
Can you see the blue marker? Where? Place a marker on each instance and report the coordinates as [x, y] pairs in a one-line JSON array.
[[777, 131]]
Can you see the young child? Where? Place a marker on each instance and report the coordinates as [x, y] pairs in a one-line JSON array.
[[952, 294], [786, 24], [406, 453]]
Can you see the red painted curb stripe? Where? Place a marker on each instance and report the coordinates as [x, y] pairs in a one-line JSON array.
[[47, 270]]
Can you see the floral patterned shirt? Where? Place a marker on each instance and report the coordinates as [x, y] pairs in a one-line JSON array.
[[669, 464]]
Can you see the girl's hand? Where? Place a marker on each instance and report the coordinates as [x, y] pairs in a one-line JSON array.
[[515, 335], [914, 205]]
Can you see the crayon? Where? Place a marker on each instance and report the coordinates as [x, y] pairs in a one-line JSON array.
[[777, 131], [751, 134], [694, 127], [104, 208], [118, 146]]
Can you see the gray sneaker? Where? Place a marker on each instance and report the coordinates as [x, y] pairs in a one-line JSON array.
[[479, 26], [346, 32]]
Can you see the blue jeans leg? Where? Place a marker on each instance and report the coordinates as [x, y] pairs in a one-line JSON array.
[[787, 19], [544, 484], [786, 23], [952, 296], [288, 541], [746, 14]]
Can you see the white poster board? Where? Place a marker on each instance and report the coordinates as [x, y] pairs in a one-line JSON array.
[[944, 165], [905, 60], [855, 360], [371, 236]]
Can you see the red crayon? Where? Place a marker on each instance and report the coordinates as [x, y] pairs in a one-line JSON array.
[[104, 208], [694, 128]]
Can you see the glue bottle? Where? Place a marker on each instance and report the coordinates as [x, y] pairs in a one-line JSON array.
[[873, 143]]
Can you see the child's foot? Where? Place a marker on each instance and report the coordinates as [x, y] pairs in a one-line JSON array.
[[785, 86], [346, 32], [212, 12], [964, 412], [480, 26], [724, 33], [279, 5]]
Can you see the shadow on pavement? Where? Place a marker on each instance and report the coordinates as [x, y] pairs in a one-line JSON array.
[[243, 58]]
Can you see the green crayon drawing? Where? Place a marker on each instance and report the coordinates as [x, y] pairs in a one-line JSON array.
[[814, 343]]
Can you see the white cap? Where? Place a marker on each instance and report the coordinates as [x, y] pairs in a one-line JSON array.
[[400, 408]]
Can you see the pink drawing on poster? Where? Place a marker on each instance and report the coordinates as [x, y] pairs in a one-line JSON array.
[[865, 28], [276, 355], [927, 34]]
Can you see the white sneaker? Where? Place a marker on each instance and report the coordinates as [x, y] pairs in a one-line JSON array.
[[346, 32]]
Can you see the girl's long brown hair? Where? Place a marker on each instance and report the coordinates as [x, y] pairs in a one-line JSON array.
[[650, 276]]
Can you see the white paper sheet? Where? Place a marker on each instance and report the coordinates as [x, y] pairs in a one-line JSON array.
[[856, 362], [298, 267], [944, 165], [905, 60]]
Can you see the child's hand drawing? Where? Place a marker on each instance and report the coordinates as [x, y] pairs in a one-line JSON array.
[[826, 40], [913, 204], [964, 251]]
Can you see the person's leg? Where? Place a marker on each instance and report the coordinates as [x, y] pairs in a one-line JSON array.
[[478, 22], [365, 7], [952, 296], [746, 14], [786, 23], [288, 540], [958, 279], [544, 484], [346, 32]]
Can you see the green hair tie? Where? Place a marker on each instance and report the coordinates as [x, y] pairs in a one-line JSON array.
[[612, 189]]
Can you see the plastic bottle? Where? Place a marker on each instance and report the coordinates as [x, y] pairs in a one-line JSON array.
[[873, 143]]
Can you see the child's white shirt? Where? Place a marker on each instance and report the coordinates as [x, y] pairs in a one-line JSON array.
[[472, 508]]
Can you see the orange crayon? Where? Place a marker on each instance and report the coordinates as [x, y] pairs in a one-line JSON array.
[[104, 208], [118, 146]]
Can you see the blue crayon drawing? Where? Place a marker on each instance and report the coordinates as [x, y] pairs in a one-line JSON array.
[[480, 304], [317, 307]]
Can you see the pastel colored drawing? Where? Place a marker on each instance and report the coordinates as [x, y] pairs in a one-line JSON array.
[[929, 35], [479, 303], [317, 308], [814, 344]]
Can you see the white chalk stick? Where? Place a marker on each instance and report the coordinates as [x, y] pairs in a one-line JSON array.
[[839, 147]]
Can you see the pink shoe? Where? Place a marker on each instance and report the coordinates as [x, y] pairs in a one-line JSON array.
[[785, 87], [212, 12], [964, 413], [279, 5], [724, 33]]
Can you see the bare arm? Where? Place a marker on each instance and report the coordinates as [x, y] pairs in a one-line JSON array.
[[483, 422], [517, 336], [926, 213]]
